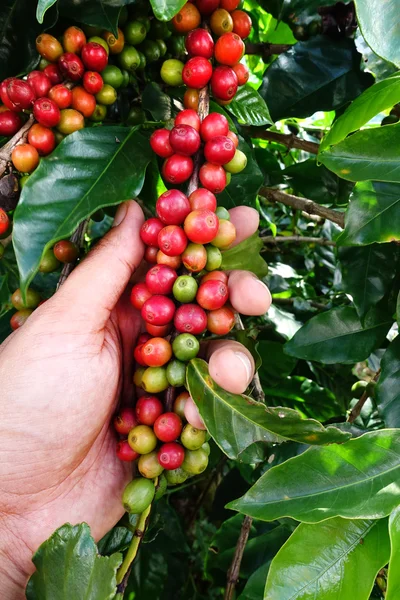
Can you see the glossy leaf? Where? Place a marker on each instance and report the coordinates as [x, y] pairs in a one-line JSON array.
[[393, 580], [368, 273], [68, 566], [374, 100], [97, 13], [243, 187], [254, 588], [157, 102], [317, 182], [164, 10], [246, 256], [319, 74], [379, 27], [335, 560], [373, 214], [276, 365], [90, 169], [42, 7], [249, 107], [355, 480], [338, 336], [236, 421], [388, 391]]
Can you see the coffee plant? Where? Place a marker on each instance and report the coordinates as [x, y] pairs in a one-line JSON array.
[[290, 107]]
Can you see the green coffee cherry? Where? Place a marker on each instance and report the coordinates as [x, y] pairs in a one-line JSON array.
[[135, 32], [129, 58], [154, 379], [99, 40], [23, 180], [228, 178], [135, 116], [143, 61], [162, 46], [161, 487], [107, 95], [176, 476], [176, 373], [48, 262], [237, 164], [149, 466], [221, 211], [100, 113], [206, 447], [185, 288], [195, 462], [214, 258], [145, 20], [185, 346], [193, 438], [125, 78], [113, 76], [171, 72], [32, 299], [151, 50], [142, 439], [359, 388], [138, 495], [138, 376], [159, 30]]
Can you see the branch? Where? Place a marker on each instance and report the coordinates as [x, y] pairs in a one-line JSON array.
[[287, 139], [234, 569], [204, 104], [270, 239], [356, 410], [303, 204], [266, 50], [18, 138], [77, 237]]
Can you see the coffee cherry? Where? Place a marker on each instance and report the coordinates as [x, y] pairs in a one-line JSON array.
[[74, 39], [61, 95], [201, 226], [107, 95], [138, 495], [190, 318], [19, 318], [160, 279], [203, 199], [139, 295], [148, 409], [176, 476], [194, 258], [188, 18], [159, 142], [206, 7], [168, 427], [177, 169], [125, 421], [214, 124], [142, 439], [115, 44], [237, 164], [142, 339], [179, 404], [4, 221], [206, 447], [171, 72], [192, 438], [173, 206], [71, 66], [185, 289], [46, 112], [188, 117], [196, 461], [214, 258], [161, 487], [154, 380], [241, 23], [70, 120], [4, 95], [226, 235], [150, 254], [149, 466], [111, 75], [171, 456], [20, 93], [212, 295], [66, 251], [220, 321], [200, 43], [242, 73], [229, 5], [156, 352], [219, 150], [229, 49], [185, 140], [170, 261], [138, 356], [138, 375], [39, 83], [215, 276], [32, 298], [10, 123], [221, 22], [223, 213], [176, 373], [25, 158], [224, 83], [92, 82], [54, 74], [135, 32], [49, 47], [185, 347], [197, 72], [213, 177], [94, 57], [48, 262], [129, 59], [192, 414], [158, 330], [158, 310], [42, 138], [125, 452], [172, 240], [191, 99], [150, 230]]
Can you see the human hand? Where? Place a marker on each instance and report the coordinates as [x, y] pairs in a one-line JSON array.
[[63, 375]]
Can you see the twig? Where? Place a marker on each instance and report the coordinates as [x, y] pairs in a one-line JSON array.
[[270, 239], [266, 50], [169, 398], [204, 104], [356, 410], [125, 569], [290, 302], [77, 237], [256, 386], [234, 569], [304, 204], [287, 139], [18, 138]]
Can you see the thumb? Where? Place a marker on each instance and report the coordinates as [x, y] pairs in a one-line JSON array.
[[95, 286]]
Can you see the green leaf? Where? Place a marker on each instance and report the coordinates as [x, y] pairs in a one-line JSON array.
[[164, 10], [373, 214], [246, 256], [337, 336], [243, 187], [97, 13], [42, 7], [355, 480], [316, 182], [254, 588], [378, 25], [249, 107], [335, 560], [368, 154], [5, 327], [368, 273], [319, 74], [374, 100], [90, 169], [236, 421], [276, 365], [157, 102], [68, 566], [393, 581], [387, 391]]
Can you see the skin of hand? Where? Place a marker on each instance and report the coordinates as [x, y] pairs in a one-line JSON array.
[[63, 375]]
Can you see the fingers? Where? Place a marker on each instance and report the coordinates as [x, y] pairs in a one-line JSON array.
[[246, 221], [247, 294], [231, 365], [95, 286]]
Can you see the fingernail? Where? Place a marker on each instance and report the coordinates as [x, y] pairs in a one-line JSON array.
[[246, 363], [120, 214]]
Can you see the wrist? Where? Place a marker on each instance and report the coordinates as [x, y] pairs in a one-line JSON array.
[[15, 564]]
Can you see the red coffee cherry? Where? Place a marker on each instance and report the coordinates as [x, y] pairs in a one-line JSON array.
[[49, 47], [71, 66], [92, 82], [184, 139], [148, 409], [150, 254], [188, 117], [215, 276], [199, 43], [125, 452], [10, 123], [229, 49], [229, 5], [224, 83], [40, 83], [139, 295], [172, 240], [61, 95], [190, 318], [219, 150], [158, 310], [212, 177], [150, 230], [66, 251], [212, 295], [232, 136], [241, 23], [20, 317], [188, 18], [74, 39], [214, 124], [206, 7], [4, 95], [156, 352], [42, 138], [94, 57], [220, 321], [173, 207], [21, 94], [25, 158], [171, 456], [46, 112], [171, 261], [177, 168], [125, 421], [197, 72], [194, 258], [168, 427], [203, 199], [160, 280], [82, 101], [53, 73], [159, 142], [4, 221], [138, 356], [201, 226], [158, 330], [242, 73], [143, 338]]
